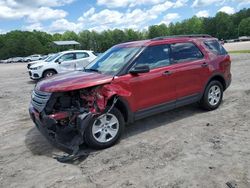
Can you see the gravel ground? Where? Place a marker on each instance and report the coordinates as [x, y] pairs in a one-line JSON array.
[[235, 46], [183, 148]]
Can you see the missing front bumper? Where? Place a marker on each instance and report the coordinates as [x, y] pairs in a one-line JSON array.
[[68, 138]]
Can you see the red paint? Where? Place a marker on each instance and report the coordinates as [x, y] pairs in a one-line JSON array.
[[148, 89], [72, 81], [59, 115]]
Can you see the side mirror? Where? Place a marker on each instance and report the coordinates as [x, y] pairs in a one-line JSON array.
[[140, 69], [59, 61]]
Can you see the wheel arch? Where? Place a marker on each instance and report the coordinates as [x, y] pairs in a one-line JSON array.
[[219, 77], [123, 106], [50, 69]]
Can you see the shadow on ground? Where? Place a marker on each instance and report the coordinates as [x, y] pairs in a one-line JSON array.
[[32, 82], [38, 145]]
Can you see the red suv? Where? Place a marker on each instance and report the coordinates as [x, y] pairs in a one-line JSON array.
[[128, 82]]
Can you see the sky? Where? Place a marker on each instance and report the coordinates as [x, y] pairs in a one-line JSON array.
[[75, 15]]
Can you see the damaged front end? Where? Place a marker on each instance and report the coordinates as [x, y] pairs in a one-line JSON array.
[[63, 117]]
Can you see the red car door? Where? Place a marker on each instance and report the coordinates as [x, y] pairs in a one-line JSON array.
[[190, 69], [155, 87]]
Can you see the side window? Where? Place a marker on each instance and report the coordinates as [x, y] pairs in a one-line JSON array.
[[154, 56], [67, 57], [81, 55], [215, 47], [185, 52]]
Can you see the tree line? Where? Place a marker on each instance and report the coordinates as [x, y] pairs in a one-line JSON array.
[[222, 26]]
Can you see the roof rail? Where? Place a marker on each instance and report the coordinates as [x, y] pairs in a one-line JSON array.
[[183, 36]]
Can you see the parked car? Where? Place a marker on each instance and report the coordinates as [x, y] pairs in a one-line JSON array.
[[4, 61], [32, 58], [9, 60], [44, 58], [129, 82], [16, 59], [62, 62]]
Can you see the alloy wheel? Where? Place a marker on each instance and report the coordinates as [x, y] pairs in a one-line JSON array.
[[214, 95], [105, 128]]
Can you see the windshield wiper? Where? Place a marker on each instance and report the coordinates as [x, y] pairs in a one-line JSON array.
[[92, 70]]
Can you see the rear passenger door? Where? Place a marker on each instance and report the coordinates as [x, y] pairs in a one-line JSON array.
[[189, 66], [82, 60]]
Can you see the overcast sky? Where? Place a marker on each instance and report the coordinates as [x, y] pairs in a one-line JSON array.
[[61, 15]]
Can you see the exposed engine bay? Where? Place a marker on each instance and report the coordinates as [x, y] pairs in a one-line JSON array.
[[66, 116]]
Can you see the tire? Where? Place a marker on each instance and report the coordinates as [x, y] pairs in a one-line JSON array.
[[212, 96], [49, 73], [98, 135]]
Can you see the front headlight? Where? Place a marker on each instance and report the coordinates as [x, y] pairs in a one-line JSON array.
[[36, 68]]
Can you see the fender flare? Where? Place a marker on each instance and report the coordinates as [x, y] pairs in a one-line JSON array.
[[214, 76], [124, 107]]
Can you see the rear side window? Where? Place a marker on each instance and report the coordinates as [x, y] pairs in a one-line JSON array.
[[185, 52], [215, 47], [81, 55]]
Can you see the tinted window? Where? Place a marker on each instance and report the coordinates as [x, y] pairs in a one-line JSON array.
[[67, 57], [185, 52], [155, 56], [215, 47], [81, 55]]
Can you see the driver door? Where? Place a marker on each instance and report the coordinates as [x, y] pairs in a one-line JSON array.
[[156, 87], [67, 62]]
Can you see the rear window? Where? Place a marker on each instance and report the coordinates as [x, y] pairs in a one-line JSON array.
[[215, 47], [182, 52]]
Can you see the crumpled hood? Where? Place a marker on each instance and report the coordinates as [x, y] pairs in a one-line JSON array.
[[72, 81]]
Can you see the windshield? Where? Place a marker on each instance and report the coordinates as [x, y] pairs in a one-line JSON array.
[[113, 60], [51, 58]]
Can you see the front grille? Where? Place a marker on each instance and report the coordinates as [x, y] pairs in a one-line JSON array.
[[39, 100]]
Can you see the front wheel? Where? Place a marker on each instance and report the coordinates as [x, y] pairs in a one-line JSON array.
[[105, 130], [48, 73], [213, 95]]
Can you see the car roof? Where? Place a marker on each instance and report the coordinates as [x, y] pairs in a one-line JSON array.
[[74, 51], [166, 40]]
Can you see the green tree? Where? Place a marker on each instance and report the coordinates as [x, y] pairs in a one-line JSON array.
[[24, 43], [244, 27], [69, 35], [224, 26]]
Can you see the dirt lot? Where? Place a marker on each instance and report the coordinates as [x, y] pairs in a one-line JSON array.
[[183, 148], [235, 46]]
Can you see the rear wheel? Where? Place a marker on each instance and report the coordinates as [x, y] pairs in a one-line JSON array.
[[213, 95], [105, 130], [48, 73]]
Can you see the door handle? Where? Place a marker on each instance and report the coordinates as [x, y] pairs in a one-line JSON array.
[[167, 73], [204, 64]]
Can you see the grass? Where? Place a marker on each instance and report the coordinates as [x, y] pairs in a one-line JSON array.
[[239, 51]]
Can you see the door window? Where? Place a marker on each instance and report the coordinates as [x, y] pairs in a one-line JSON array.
[[182, 52], [155, 56], [81, 55], [67, 57]]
